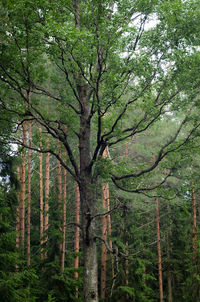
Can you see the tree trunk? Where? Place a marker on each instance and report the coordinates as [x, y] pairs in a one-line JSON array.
[[87, 200], [104, 236], [59, 180], [18, 211], [41, 200], [77, 233], [159, 252], [90, 271], [64, 220], [86, 185], [23, 188], [126, 261], [46, 218], [29, 199], [59, 171], [109, 229]]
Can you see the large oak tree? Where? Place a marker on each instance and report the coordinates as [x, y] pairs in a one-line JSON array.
[[106, 71]]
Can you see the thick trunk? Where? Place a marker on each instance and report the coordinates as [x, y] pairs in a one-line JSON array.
[[87, 189], [41, 201], [159, 252], [87, 200], [109, 229], [90, 272], [29, 199]]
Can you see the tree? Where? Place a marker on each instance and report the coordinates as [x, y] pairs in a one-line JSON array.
[[102, 64]]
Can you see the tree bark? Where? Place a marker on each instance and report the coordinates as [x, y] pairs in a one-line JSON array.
[[46, 218], [159, 252], [23, 188], [29, 198], [104, 236], [86, 185], [59, 180], [59, 173], [18, 211], [109, 230], [90, 272], [126, 261], [41, 201], [87, 200], [63, 246]]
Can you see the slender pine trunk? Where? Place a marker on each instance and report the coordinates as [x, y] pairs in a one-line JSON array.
[[23, 189], [29, 198], [41, 201], [59, 174], [18, 211], [63, 247], [126, 261], [46, 218]]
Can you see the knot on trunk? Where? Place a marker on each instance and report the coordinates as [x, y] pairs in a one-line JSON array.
[[92, 295]]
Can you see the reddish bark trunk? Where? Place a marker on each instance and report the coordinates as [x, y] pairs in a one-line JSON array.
[[18, 212], [41, 200], [29, 198], [109, 229], [23, 189], [59, 174], [64, 221], [46, 218]]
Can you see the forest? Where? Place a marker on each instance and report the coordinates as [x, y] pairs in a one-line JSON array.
[[99, 150]]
